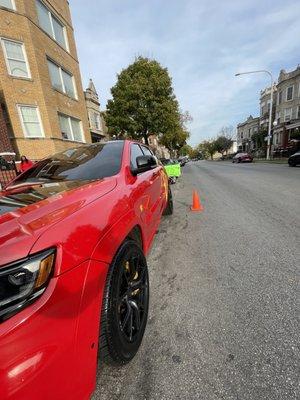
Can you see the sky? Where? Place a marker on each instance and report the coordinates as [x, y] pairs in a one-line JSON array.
[[203, 43]]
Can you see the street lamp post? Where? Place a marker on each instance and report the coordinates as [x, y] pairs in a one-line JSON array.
[[271, 104]]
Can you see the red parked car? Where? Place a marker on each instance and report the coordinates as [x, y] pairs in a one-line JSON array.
[[242, 157], [74, 232]]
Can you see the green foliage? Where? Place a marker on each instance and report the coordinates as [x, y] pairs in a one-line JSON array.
[[208, 148], [196, 153], [186, 150], [223, 144], [144, 103], [259, 139], [174, 139], [295, 134]]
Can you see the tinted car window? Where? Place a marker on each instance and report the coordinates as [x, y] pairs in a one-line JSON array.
[[135, 151], [95, 161], [147, 151]]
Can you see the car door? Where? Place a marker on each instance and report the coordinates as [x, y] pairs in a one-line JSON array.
[[142, 194], [157, 189], [140, 191]]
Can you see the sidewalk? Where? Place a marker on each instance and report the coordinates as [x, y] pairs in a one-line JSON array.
[[279, 161]]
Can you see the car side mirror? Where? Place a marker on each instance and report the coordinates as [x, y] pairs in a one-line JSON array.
[[144, 163]]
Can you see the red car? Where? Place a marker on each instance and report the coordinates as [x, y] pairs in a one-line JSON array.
[[242, 157], [74, 232]]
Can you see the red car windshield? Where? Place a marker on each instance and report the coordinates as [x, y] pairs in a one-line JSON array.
[[84, 163]]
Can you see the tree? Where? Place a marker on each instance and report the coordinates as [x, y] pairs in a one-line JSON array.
[[223, 144], [259, 139], [186, 150], [196, 153], [208, 148], [175, 139], [144, 103], [225, 139]]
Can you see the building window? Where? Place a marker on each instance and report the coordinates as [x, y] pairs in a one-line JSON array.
[[8, 4], [242, 135], [298, 112], [62, 80], [31, 121], [289, 93], [288, 114], [71, 128], [96, 121], [16, 60], [279, 97], [50, 24]]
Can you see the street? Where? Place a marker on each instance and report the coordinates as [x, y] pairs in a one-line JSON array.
[[224, 298]]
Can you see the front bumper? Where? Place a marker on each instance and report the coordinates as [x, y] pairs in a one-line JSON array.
[[49, 349]]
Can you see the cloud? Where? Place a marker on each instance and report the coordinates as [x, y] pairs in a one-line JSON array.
[[203, 44]]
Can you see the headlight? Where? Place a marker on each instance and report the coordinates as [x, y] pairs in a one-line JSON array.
[[23, 281]]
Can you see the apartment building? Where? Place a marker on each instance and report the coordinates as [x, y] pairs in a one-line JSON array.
[[287, 118], [97, 124], [41, 92], [265, 103], [245, 130]]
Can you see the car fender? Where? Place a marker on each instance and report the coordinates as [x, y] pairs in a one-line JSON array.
[[88, 327], [108, 246]]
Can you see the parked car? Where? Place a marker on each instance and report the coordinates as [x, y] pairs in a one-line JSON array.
[[294, 159], [242, 157], [182, 161], [172, 168], [74, 232]]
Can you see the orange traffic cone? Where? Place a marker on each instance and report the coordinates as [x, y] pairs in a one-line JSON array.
[[197, 206]]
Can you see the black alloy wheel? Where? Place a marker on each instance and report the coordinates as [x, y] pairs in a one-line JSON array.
[[125, 305]]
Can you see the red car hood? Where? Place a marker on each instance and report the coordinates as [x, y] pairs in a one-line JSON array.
[[28, 211]]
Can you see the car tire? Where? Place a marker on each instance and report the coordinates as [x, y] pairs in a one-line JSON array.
[[125, 305], [292, 165], [170, 206], [239, 160]]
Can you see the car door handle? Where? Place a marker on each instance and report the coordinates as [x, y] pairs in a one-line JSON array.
[[155, 174]]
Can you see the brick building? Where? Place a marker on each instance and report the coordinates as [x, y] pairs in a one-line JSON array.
[[40, 84]]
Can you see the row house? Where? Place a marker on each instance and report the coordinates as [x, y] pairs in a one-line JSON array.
[[285, 116], [286, 126], [265, 104], [42, 103], [245, 130]]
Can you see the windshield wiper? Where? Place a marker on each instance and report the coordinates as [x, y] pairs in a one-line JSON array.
[[23, 184]]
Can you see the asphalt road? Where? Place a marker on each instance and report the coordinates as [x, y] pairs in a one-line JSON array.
[[224, 313]]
